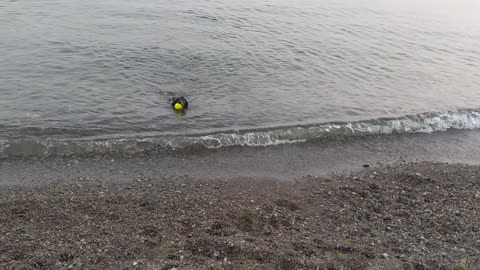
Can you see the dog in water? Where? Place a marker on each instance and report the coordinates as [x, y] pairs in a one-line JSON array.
[[179, 103]]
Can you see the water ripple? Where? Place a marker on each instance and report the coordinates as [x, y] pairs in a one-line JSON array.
[[111, 66]]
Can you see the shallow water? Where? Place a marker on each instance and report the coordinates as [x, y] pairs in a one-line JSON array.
[[100, 67]]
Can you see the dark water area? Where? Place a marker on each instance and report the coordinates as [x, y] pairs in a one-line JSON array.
[[90, 70]]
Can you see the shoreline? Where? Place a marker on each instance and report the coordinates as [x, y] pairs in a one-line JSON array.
[[281, 162], [402, 216]]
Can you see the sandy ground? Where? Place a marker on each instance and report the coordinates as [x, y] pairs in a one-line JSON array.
[[403, 216]]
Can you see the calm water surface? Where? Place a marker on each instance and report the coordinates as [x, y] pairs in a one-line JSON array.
[[84, 67]]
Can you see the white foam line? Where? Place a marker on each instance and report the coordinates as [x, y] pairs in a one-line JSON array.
[[422, 123]]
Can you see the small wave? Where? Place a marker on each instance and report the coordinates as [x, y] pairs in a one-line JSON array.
[[420, 123]]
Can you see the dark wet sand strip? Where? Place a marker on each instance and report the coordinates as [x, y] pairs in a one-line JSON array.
[[283, 162]]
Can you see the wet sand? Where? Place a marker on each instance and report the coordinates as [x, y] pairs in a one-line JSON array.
[[282, 162]]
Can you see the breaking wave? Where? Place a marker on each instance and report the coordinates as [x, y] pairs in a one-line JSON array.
[[419, 123]]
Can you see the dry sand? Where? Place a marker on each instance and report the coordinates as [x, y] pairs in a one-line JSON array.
[[402, 216]]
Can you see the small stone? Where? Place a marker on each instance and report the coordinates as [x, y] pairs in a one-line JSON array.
[[385, 255], [135, 263], [216, 254]]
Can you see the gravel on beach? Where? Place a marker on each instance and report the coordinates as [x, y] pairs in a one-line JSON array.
[[403, 216]]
